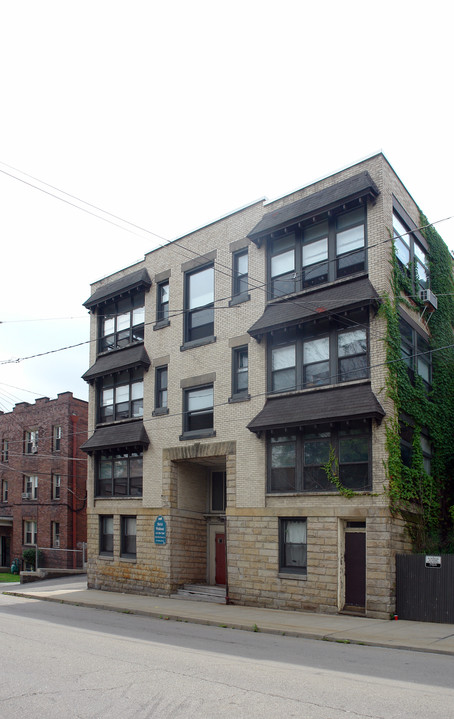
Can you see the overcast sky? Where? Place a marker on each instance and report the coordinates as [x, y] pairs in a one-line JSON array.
[[172, 114]]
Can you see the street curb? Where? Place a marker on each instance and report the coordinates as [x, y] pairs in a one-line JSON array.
[[256, 628]]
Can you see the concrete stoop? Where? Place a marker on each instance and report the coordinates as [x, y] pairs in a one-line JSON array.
[[201, 593]]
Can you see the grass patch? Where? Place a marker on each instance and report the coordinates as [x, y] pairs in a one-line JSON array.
[[7, 577]]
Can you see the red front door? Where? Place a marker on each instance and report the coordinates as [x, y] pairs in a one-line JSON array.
[[220, 559]]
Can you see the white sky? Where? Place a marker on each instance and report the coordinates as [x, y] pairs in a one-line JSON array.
[[172, 114]]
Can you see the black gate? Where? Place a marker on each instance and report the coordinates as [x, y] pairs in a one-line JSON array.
[[425, 589]]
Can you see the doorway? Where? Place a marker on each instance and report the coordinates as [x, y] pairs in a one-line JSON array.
[[355, 566]]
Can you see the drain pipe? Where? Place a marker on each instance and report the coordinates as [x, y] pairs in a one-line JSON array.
[[74, 419], [227, 600]]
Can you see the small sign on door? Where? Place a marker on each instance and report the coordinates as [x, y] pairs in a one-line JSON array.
[[433, 561]]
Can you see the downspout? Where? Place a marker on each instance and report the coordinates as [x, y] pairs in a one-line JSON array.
[[74, 419]]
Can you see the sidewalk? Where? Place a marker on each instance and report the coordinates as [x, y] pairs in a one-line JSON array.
[[419, 636]]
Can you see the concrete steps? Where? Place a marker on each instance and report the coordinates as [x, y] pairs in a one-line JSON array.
[[201, 593]]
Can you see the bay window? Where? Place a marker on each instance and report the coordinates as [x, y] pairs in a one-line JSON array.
[[120, 396], [119, 474], [122, 322]]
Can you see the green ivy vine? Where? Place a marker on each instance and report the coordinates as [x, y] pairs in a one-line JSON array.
[[426, 501]]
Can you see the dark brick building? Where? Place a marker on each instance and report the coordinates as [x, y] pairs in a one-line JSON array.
[[43, 477]]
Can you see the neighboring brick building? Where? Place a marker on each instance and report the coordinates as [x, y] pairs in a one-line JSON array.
[[43, 476], [224, 369]]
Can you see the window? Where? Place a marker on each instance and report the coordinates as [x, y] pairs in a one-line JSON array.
[[199, 304], [162, 302], [296, 461], [240, 273], [330, 351], [5, 453], [122, 322], [293, 545], [56, 486], [4, 490], [415, 352], [31, 442], [410, 254], [55, 533], [198, 411], [56, 438], [31, 487], [316, 254], [161, 388], [106, 535], [119, 474], [217, 492], [240, 372], [121, 396], [407, 447], [128, 536], [29, 532]]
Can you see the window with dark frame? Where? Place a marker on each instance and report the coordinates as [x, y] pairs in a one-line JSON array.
[[119, 474], [217, 492], [407, 447], [199, 304], [318, 253], [120, 396], [56, 438], [293, 545], [416, 354], [106, 533], [121, 322], [319, 353], [4, 490], [240, 371], [162, 301], [297, 459], [161, 382], [55, 533], [410, 254], [198, 416], [240, 272], [128, 537]]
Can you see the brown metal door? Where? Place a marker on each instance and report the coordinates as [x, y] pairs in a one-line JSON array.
[[355, 569], [220, 559]]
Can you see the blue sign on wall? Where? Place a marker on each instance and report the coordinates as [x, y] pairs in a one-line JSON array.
[[160, 530]]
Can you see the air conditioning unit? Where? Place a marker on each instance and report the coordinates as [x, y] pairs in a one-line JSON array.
[[34, 449], [56, 542], [26, 495], [430, 299]]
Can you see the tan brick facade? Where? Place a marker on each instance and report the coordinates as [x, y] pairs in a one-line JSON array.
[[178, 470]]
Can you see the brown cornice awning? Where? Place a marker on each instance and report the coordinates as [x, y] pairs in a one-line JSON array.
[[129, 434], [118, 361], [318, 407], [140, 279], [358, 186], [338, 297]]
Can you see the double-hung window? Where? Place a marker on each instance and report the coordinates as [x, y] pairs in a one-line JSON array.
[[5, 452], [119, 474], [240, 273], [128, 537], [56, 438], [323, 353], [410, 254], [106, 533], [31, 441], [56, 486], [29, 532], [293, 545], [297, 460], [162, 302], [198, 415], [122, 322], [31, 487], [55, 530], [240, 372], [4, 490], [415, 352], [121, 396], [199, 304], [318, 253], [161, 388]]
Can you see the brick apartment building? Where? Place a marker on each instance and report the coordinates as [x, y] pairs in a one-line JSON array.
[[228, 368], [43, 476]]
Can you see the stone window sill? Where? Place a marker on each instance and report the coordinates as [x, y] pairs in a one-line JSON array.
[[197, 343]]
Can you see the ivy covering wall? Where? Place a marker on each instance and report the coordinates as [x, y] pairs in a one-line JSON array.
[[425, 500]]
